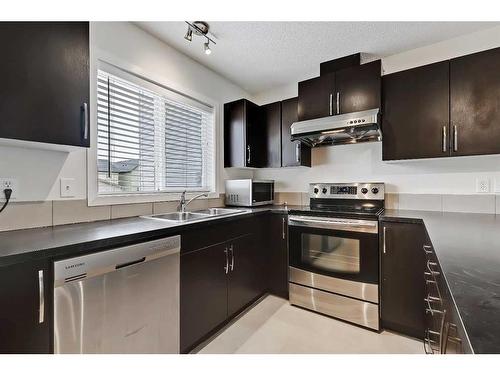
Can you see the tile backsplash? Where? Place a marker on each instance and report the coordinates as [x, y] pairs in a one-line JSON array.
[[43, 214]]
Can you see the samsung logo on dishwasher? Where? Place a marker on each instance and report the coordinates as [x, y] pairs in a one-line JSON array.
[[74, 265]]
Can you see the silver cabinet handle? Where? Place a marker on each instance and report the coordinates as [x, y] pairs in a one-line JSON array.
[[445, 147], [429, 264], [41, 297], [297, 152], [338, 103], [226, 267], [283, 228], [331, 104], [425, 247], [384, 247], [249, 156], [85, 121], [232, 257], [455, 138]]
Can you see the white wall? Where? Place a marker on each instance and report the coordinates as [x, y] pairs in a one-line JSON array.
[[364, 161], [38, 171]]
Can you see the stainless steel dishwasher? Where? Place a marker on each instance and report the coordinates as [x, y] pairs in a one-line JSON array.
[[124, 300]]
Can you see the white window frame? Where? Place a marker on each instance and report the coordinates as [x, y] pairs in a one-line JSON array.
[[112, 65]]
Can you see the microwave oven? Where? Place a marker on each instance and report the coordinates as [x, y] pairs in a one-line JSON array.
[[249, 192]]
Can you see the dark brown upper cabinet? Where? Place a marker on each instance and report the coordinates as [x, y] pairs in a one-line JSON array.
[[475, 103], [271, 114], [358, 88], [415, 113], [44, 94], [451, 108], [293, 153], [244, 135], [316, 97], [347, 90]]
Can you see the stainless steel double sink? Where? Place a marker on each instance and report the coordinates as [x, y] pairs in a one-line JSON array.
[[198, 215]]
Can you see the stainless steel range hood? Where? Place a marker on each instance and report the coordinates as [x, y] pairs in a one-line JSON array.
[[339, 130]]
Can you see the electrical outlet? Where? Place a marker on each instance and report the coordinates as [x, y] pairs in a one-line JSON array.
[[67, 187], [482, 185], [8, 183]]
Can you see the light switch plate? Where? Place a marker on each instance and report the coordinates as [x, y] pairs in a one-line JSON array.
[[67, 187]]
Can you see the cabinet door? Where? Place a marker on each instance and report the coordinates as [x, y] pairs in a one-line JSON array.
[[475, 103], [256, 148], [246, 273], [402, 283], [316, 97], [25, 312], [293, 153], [272, 122], [415, 113], [45, 81], [358, 88], [234, 134], [203, 289], [277, 255]]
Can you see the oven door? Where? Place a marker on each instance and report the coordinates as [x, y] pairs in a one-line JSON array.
[[341, 248]]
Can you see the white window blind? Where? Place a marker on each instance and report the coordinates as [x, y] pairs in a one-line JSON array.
[[151, 140]]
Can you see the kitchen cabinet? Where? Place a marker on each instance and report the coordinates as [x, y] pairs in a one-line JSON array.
[[475, 104], [246, 279], [347, 90], [218, 281], [450, 108], [244, 135], [203, 290], [293, 153], [358, 88], [316, 97], [44, 95], [443, 332], [272, 119], [25, 313], [277, 255], [402, 286], [415, 113]]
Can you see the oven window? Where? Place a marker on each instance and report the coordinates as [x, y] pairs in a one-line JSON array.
[[331, 253], [262, 192]]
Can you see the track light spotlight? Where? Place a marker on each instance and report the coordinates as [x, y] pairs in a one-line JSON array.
[[208, 51], [189, 34]]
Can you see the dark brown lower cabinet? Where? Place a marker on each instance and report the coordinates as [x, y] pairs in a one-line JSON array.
[[402, 285], [203, 290], [217, 282], [277, 255], [25, 308]]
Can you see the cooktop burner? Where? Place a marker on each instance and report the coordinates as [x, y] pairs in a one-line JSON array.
[[345, 200]]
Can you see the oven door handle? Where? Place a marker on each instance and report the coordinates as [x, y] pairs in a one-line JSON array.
[[347, 225]]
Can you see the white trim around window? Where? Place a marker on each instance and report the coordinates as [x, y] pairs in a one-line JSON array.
[[102, 61]]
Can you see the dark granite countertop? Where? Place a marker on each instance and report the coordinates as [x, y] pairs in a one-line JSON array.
[[468, 249], [64, 240]]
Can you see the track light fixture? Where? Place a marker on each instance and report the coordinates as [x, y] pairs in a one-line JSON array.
[[200, 28], [189, 35], [208, 51]]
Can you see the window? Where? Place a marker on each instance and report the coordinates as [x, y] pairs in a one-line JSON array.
[[150, 139]]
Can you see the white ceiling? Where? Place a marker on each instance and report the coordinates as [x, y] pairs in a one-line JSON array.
[[259, 56]]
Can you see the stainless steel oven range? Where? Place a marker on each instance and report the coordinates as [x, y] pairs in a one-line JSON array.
[[333, 252]]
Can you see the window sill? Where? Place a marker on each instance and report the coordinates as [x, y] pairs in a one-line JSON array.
[[105, 200]]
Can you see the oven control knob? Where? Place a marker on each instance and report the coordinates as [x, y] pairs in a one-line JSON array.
[[316, 190], [374, 190], [324, 191], [364, 190]]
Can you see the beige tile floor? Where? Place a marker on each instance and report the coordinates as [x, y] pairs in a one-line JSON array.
[[275, 327]]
